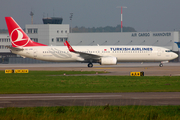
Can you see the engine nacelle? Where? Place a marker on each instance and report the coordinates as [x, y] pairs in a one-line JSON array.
[[108, 61]]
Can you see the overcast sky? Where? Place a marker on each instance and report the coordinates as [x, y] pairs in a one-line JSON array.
[[143, 15]]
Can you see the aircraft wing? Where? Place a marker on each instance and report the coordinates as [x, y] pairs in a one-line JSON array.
[[82, 54], [14, 48]]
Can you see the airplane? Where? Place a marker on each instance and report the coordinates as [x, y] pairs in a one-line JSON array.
[[104, 55]]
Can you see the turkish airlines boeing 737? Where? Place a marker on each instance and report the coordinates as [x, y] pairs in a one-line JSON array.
[[104, 55]]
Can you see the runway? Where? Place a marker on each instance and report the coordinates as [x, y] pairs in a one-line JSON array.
[[95, 99], [89, 99]]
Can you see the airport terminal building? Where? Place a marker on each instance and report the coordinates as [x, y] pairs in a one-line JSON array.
[[57, 34]]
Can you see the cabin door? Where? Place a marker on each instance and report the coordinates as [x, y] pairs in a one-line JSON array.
[[35, 53], [159, 52]]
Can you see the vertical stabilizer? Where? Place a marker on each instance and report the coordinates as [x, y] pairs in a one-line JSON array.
[[18, 36], [178, 44]]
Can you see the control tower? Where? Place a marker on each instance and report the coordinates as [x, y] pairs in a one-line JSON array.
[[52, 20]]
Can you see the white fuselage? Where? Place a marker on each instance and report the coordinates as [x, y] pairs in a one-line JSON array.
[[122, 53]]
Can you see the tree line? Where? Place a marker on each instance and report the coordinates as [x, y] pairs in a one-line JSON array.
[[103, 29]]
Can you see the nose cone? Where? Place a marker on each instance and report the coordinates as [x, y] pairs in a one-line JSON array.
[[174, 55]]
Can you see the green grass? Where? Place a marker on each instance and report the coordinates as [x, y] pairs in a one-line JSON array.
[[92, 113], [55, 82]]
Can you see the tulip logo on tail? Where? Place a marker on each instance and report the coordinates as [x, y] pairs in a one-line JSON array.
[[18, 38]]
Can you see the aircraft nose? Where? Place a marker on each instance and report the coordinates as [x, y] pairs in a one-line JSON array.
[[174, 55]]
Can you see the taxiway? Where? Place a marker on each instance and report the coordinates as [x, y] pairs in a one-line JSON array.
[[149, 69]]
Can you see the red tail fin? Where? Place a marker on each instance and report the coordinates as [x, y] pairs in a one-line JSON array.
[[18, 36]]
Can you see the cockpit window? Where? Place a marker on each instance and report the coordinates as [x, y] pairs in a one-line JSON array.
[[168, 50]]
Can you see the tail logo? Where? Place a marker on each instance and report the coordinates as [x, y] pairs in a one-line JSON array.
[[18, 38]]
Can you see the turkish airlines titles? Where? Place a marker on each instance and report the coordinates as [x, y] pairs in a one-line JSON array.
[[132, 49]]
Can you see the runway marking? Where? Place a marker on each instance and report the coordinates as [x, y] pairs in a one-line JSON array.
[[60, 96], [159, 97]]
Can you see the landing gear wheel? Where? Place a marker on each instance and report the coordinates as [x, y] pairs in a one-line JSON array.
[[160, 65], [90, 65]]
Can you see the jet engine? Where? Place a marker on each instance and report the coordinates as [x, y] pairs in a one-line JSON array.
[[108, 61]]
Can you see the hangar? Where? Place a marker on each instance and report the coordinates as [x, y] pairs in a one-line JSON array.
[[164, 39], [56, 34]]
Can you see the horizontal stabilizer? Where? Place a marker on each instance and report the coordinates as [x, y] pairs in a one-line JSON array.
[[14, 48]]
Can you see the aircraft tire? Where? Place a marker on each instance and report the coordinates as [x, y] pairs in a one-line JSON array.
[[90, 65], [160, 65]]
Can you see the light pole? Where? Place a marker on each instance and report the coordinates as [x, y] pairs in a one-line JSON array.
[[121, 16], [71, 15], [31, 14]]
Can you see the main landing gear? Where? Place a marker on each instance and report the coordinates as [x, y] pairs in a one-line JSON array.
[[90, 65], [160, 65]]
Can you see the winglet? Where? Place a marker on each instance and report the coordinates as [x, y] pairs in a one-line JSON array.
[[178, 44], [69, 47]]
